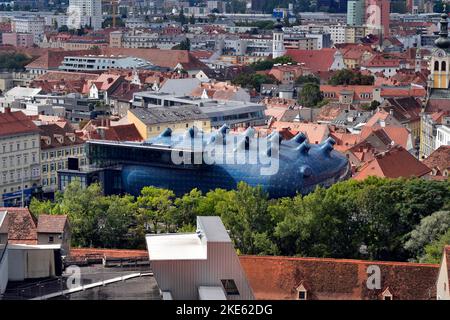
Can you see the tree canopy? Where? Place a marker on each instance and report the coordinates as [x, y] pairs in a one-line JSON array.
[[350, 77], [377, 219]]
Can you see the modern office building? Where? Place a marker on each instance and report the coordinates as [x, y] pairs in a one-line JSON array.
[[355, 12], [220, 112], [206, 161], [29, 24], [198, 266], [102, 63]]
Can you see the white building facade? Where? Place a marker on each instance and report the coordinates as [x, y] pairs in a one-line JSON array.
[[92, 9], [29, 24]]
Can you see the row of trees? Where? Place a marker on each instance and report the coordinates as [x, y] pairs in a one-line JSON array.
[[382, 219]]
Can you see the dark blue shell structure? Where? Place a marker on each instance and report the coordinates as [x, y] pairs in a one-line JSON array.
[[282, 167]]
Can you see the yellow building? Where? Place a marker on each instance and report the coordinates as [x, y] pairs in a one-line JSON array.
[[150, 122]]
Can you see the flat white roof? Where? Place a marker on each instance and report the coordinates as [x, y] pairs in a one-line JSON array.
[[211, 293], [181, 246]]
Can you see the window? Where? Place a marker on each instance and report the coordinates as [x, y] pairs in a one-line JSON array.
[[230, 287], [443, 66], [436, 66], [51, 239], [302, 293]]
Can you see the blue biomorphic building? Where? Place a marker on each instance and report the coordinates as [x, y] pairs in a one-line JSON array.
[[206, 161]]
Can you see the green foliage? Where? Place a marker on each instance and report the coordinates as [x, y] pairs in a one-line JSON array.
[[372, 106], [378, 219], [183, 45], [433, 251], [349, 77], [310, 95], [13, 61], [267, 64], [427, 231], [253, 80], [310, 78]]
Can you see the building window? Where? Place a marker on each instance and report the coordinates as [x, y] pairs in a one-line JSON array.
[[230, 287], [443, 66], [436, 66], [51, 239], [302, 295]]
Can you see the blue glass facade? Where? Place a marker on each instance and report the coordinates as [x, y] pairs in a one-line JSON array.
[[298, 167]]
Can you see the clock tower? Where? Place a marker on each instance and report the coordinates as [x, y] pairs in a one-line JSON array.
[[440, 59]]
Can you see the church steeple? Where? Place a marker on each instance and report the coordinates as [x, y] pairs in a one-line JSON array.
[[443, 42]]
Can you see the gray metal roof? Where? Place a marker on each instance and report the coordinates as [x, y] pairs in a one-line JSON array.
[[180, 86], [213, 229], [169, 114]]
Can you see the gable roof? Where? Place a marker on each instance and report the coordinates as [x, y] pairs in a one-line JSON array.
[[163, 58], [394, 163], [439, 159], [51, 223], [22, 226], [51, 59], [279, 277], [126, 132], [316, 60], [16, 123]]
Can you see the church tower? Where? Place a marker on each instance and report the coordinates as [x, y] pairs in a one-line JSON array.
[[278, 49], [440, 59], [418, 61]]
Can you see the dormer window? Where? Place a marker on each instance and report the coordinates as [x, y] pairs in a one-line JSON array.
[[302, 293], [387, 295]]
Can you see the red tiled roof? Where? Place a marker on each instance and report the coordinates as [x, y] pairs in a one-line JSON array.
[[22, 226], [15, 123], [126, 132], [51, 223], [439, 159], [340, 279], [162, 58], [394, 163], [316, 60], [52, 59], [109, 253]]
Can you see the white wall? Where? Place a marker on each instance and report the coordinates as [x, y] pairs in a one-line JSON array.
[[29, 264], [4, 272]]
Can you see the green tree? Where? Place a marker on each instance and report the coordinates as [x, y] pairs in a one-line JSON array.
[[433, 251], [310, 95], [430, 229], [187, 208], [250, 225], [310, 78], [183, 45], [350, 77], [155, 206]]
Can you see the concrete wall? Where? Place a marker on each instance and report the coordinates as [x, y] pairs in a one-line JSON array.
[[28, 264]]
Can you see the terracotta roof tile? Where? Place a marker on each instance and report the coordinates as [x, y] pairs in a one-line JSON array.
[[279, 277], [16, 122], [51, 223], [22, 226]]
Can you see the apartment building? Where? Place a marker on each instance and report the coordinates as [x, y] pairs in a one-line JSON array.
[[19, 158], [92, 9], [61, 149], [29, 24], [96, 63]]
